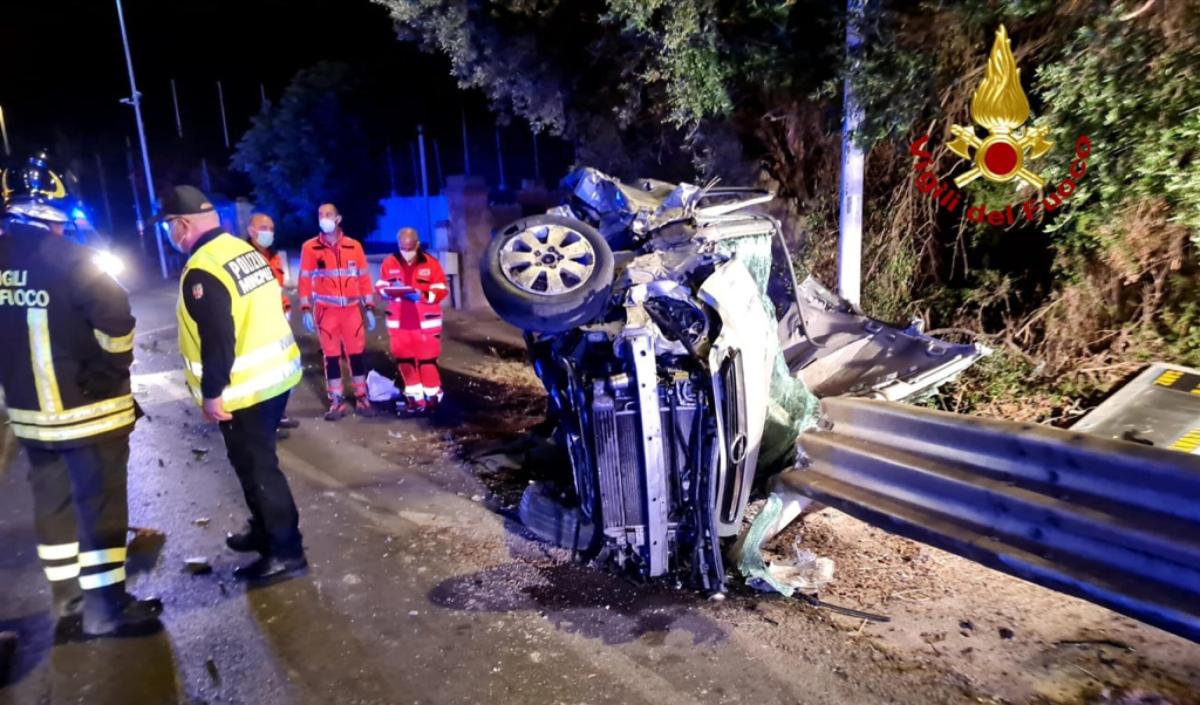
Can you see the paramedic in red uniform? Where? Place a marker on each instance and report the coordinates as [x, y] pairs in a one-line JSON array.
[[413, 282], [335, 287], [261, 234]]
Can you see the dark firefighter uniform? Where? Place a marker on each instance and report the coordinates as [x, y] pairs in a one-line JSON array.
[[64, 366], [237, 346]]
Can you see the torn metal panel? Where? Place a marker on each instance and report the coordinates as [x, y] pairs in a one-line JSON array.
[[1159, 407], [1111, 522]]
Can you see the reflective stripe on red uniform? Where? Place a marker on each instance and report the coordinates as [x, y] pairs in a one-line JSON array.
[[334, 275], [425, 275]]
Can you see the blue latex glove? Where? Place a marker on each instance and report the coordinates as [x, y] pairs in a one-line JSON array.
[[370, 319], [413, 295], [309, 324]]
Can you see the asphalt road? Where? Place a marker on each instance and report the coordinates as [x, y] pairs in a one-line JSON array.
[[421, 591]]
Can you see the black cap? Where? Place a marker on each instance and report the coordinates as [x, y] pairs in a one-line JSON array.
[[184, 200]]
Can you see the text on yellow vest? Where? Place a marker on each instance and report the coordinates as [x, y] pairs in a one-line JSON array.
[[266, 360]]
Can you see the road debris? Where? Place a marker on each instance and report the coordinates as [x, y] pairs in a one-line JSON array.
[[201, 521], [381, 388], [197, 565], [806, 572]]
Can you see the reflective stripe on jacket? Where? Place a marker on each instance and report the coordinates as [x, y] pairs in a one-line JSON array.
[[334, 275], [266, 359], [425, 275], [68, 342]]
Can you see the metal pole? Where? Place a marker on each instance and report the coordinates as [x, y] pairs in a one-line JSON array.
[[500, 160], [135, 100], [391, 170], [424, 183], [104, 192], [466, 145], [412, 160], [224, 124], [437, 160], [262, 92], [205, 179], [137, 205], [537, 161], [851, 211], [175, 100], [4, 133]]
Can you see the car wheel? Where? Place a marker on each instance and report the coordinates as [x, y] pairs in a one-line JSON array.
[[548, 273]]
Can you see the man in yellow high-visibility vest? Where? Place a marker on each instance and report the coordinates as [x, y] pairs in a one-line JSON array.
[[240, 363]]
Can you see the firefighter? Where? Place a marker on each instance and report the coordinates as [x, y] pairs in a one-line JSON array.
[[334, 282], [240, 363], [261, 233], [413, 281], [64, 366]]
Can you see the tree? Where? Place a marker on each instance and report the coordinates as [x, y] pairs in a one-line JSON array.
[[311, 148]]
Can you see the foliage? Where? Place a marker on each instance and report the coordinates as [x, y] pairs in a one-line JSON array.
[[309, 149]]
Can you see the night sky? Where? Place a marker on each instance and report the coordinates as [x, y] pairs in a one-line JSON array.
[[65, 73]]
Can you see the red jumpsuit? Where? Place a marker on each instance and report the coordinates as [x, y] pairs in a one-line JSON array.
[[415, 327], [334, 280]]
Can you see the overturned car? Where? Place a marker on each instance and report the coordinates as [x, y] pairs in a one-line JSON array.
[[681, 360]]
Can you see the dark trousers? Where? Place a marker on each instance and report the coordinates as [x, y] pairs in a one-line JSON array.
[[81, 514], [250, 441]]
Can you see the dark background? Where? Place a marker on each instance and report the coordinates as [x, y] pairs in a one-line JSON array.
[[65, 74]]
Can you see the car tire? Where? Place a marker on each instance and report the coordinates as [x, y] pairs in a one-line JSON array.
[[548, 273]]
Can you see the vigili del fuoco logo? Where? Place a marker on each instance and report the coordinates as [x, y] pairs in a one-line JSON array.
[[1005, 152]]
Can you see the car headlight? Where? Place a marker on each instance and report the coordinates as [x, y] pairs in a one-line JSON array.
[[109, 263]]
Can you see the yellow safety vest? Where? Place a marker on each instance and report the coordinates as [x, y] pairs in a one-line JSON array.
[[266, 360]]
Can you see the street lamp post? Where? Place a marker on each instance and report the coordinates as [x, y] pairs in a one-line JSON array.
[[135, 101], [851, 196]]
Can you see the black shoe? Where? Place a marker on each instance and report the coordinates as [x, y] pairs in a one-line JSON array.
[[286, 422], [282, 434], [271, 568], [246, 542], [132, 618]]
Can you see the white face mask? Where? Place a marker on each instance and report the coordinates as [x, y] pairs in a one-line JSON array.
[[328, 225], [408, 255], [264, 238]]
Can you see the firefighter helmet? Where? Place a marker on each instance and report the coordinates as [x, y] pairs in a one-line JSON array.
[[34, 191]]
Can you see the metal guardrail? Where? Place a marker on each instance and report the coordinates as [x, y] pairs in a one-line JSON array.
[[1112, 522]]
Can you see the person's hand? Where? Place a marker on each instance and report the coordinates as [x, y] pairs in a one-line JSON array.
[[214, 410], [370, 319], [309, 324], [413, 295]]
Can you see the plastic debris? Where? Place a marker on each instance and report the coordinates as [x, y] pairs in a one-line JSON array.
[[197, 565], [201, 521], [806, 572], [381, 388]]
